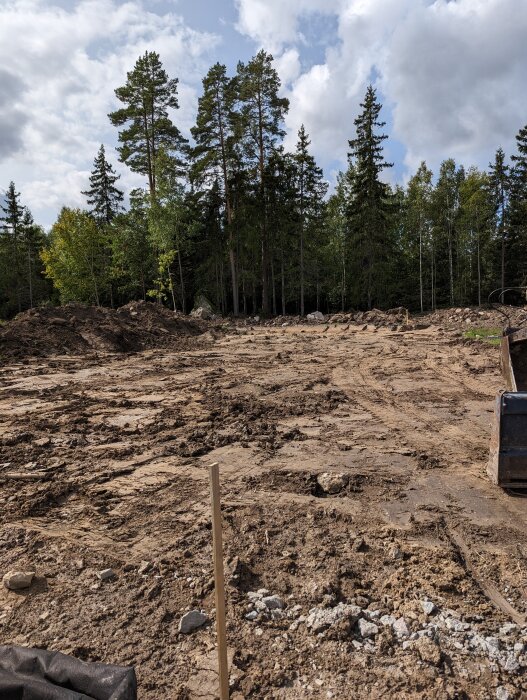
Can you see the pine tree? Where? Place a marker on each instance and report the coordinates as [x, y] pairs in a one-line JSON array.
[[262, 113], [371, 205], [148, 95], [103, 196], [311, 189], [214, 156]]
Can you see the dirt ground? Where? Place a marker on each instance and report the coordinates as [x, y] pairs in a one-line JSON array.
[[118, 445]]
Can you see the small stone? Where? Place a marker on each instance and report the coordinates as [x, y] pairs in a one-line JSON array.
[[192, 621], [387, 620], [262, 592], [106, 575], [18, 580], [502, 693], [401, 628], [511, 665], [396, 554], [428, 607], [331, 482], [144, 567], [273, 602], [251, 615], [367, 629]]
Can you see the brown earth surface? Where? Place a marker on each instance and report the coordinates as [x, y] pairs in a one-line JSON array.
[[103, 464]]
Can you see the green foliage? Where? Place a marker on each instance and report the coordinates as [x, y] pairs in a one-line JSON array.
[[250, 224], [21, 282], [147, 95], [492, 336], [76, 258]]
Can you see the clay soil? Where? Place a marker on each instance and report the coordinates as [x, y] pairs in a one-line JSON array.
[[118, 445]]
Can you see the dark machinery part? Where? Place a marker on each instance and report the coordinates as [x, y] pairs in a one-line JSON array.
[[507, 465]]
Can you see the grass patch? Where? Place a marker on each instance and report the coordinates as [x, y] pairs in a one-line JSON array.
[[486, 335]]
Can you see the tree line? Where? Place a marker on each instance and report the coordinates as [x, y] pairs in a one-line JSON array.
[[234, 216]]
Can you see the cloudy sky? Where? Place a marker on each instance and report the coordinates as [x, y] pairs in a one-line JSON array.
[[450, 73]]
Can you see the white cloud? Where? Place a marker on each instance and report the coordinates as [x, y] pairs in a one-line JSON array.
[[452, 72], [273, 23], [67, 64]]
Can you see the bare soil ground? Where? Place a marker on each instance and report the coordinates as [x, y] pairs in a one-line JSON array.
[[119, 446]]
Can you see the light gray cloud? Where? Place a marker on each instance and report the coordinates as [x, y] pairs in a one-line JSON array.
[[451, 73], [12, 119], [71, 58]]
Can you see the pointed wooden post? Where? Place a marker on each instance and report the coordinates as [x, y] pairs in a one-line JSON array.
[[219, 581]]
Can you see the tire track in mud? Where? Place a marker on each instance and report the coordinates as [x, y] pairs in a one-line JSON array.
[[399, 415]]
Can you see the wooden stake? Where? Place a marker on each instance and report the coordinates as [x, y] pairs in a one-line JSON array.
[[219, 581]]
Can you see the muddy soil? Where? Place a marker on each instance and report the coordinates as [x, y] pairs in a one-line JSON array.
[[75, 329], [118, 448]]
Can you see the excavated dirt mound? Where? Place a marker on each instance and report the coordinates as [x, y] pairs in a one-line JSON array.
[[74, 329]]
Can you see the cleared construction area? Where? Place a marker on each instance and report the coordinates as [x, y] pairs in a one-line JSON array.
[[367, 552]]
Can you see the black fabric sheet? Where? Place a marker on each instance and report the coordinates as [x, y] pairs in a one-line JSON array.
[[36, 674]]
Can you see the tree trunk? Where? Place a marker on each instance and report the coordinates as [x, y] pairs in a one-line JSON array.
[[30, 280], [273, 288], [182, 283], [282, 275], [421, 264]]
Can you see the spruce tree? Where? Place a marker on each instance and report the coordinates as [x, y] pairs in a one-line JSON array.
[[11, 243], [518, 212], [104, 197], [371, 205], [214, 155], [147, 95], [311, 189], [262, 114]]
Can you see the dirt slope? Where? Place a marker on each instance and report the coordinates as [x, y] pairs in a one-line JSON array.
[[76, 329], [417, 538]]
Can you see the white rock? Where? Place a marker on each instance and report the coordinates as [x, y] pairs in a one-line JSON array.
[[367, 629], [18, 580], [320, 619], [192, 621], [502, 693], [331, 482], [251, 615], [202, 313], [493, 645], [401, 628], [511, 665], [273, 602], [316, 316], [428, 607], [387, 620]]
